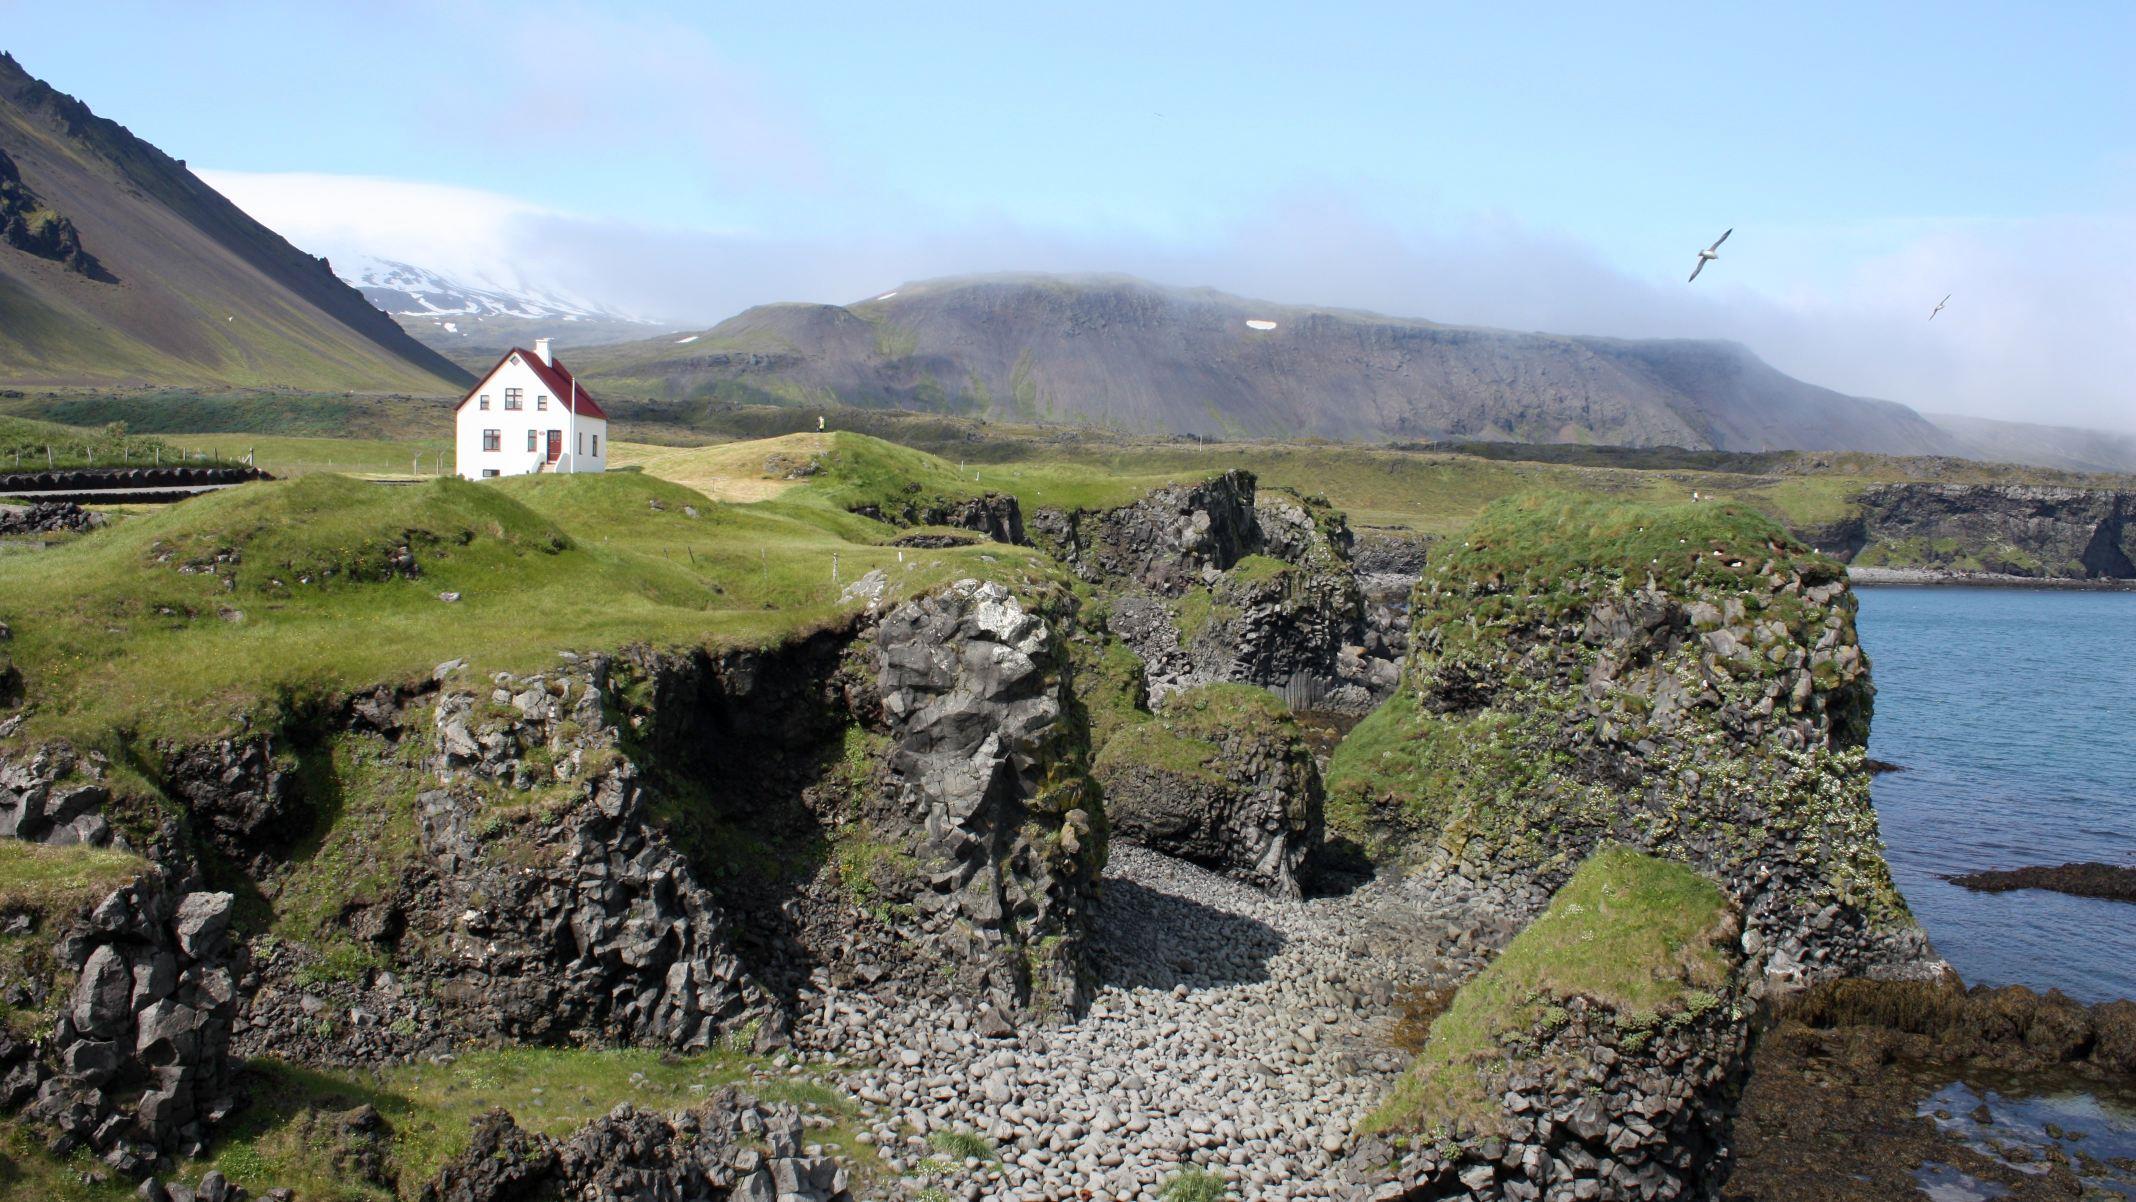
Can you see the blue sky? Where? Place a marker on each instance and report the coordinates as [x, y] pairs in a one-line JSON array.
[[1551, 168]]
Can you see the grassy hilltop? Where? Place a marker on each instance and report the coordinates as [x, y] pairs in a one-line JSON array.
[[189, 616]]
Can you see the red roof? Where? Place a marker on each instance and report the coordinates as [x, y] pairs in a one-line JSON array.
[[555, 375]]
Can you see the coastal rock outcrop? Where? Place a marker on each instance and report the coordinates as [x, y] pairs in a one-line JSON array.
[[1597, 1058], [2019, 530], [1681, 679], [1220, 776], [546, 906]]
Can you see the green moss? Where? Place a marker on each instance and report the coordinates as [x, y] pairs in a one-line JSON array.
[[1639, 935], [1193, 611], [1402, 775], [1108, 683]]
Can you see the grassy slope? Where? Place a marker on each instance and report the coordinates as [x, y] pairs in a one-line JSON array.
[[1643, 936], [27, 445], [253, 411], [112, 636]]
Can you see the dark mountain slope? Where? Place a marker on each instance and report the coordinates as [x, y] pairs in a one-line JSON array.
[[187, 289], [1139, 356]]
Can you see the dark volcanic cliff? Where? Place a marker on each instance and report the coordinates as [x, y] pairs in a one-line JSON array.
[[2000, 529]]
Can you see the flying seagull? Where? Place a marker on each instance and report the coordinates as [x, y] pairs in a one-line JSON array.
[[1710, 253], [1939, 306]]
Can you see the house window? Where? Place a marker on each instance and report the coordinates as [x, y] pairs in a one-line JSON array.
[[530, 440], [515, 398], [485, 403], [489, 473], [492, 440], [596, 446], [581, 443], [541, 403]]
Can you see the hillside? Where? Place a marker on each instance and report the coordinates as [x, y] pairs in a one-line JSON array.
[[121, 267], [1142, 357], [2071, 448]]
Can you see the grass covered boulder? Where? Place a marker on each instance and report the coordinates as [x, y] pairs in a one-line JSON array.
[[1221, 776], [1598, 1057]]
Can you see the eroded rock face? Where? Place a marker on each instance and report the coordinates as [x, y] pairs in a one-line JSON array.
[[1715, 714], [1220, 777], [138, 1065], [1589, 1110], [49, 795], [996, 515], [1164, 541], [1216, 581], [28, 225], [235, 787], [2006, 529], [987, 775]]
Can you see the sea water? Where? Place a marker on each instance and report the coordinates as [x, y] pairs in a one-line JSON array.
[[2013, 715]]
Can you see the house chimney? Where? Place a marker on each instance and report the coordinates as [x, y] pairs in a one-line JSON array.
[[541, 351]]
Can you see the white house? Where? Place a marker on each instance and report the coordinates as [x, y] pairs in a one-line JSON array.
[[529, 415]]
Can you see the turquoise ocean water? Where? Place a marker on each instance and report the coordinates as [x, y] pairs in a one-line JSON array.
[[2013, 713]]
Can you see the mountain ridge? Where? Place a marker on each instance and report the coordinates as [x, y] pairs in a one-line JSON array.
[[1118, 351], [200, 294]]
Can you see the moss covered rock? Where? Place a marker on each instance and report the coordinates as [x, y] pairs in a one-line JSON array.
[[1683, 679], [1597, 1057], [1220, 776]]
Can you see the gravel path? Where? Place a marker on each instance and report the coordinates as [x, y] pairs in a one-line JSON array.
[[1232, 1030]]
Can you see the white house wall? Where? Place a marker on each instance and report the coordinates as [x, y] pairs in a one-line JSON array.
[[512, 457]]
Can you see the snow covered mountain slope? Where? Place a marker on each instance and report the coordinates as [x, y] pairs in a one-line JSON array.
[[471, 321]]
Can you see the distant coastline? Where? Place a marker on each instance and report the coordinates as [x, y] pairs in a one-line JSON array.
[[1863, 577]]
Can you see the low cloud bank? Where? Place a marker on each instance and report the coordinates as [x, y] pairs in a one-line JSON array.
[[2041, 328]]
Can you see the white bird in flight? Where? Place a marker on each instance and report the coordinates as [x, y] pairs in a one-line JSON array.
[[1710, 253], [1939, 306]]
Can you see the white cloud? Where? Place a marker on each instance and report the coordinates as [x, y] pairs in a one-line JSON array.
[[2042, 326], [466, 233]]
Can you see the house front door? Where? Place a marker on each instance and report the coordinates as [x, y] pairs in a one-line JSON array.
[[556, 445]]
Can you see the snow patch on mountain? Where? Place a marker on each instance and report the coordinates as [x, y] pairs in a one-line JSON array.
[[406, 290]]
